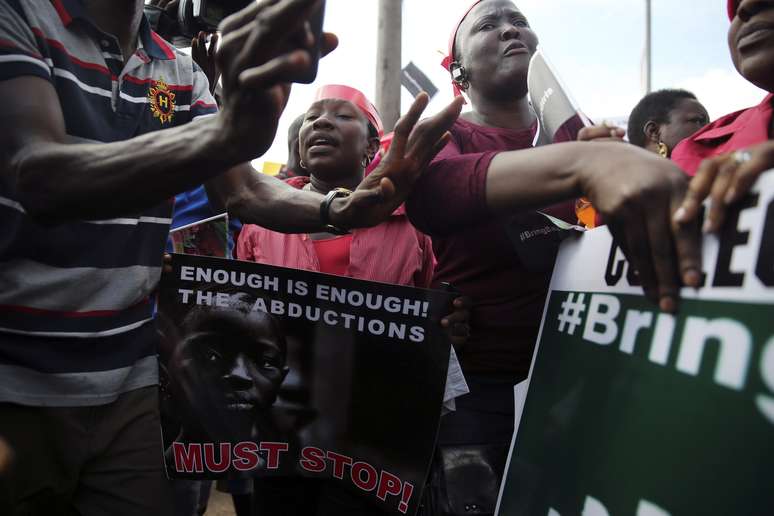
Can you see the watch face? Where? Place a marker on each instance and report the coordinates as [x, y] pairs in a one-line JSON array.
[[325, 208]]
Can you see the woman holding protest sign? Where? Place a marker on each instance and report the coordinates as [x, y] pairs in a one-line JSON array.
[[473, 200], [338, 141]]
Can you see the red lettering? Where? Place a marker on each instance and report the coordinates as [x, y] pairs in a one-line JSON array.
[[338, 463], [408, 490], [274, 449], [388, 484], [371, 476], [188, 458], [313, 459], [246, 456], [209, 457]]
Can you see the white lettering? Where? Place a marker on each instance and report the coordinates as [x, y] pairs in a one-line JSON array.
[[604, 318]]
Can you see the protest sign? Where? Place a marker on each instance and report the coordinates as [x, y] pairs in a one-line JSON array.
[[631, 411], [208, 237], [281, 372]]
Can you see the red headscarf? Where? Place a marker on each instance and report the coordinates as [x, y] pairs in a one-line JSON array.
[[339, 91], [449, 59], [732, 6]]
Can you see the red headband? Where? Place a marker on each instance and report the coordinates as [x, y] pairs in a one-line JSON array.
[[449, 59], [339, 91], [732, 6]]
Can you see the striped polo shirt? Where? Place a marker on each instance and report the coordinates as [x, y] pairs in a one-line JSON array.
[[76, 306]]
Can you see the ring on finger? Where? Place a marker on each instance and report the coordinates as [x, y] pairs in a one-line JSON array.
[[742, 156]]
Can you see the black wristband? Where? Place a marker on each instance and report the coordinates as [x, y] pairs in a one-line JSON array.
[[325, 207]]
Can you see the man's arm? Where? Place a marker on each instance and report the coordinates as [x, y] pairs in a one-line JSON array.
[[56, 180]]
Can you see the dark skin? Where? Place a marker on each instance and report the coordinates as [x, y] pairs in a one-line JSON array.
[[495, 43], [687, 117], [259, 55], [635, 192], [335, 143], [229, 368], [723, 178]]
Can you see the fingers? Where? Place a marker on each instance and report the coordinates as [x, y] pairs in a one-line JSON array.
[[328, 44], [275, 25], [688, 239], [634, 239], [278, 70], [214, 39], [664, 259], [386, 188], [717, 194], [457, 323], [406, 124], [424, 140], [698, 190], [241, 18], [601, 132]]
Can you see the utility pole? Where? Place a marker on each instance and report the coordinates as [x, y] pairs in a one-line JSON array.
[[648, 68], [388, 62]]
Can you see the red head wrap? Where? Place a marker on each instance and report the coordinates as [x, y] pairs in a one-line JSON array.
[[449, 59], [732, 6], [338, 91]]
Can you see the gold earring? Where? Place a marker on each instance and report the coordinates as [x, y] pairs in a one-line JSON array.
[[663, 150]]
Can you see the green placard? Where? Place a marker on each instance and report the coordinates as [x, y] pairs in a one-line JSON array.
[[635, 412]]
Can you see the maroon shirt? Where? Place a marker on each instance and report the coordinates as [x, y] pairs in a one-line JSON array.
[[508, 283]]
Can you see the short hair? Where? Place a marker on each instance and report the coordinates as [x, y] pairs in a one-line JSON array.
[[654, 107]]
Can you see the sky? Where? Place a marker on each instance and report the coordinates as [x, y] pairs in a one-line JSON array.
[[596, 46]]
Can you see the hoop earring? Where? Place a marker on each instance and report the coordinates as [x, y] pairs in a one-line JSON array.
[[302, 164], [365, 161], [663, 150]]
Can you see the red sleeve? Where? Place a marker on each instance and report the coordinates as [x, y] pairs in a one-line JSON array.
[[451, 194]]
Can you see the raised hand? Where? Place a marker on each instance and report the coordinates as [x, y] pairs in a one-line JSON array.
[[204, 56], [414, 145], [263, 48]]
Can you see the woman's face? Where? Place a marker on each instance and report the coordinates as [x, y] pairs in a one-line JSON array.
[[751, 41], [333, 138], [687, 117], [495, 44]]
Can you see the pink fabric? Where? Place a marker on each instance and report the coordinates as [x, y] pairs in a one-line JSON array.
[[729, 133], [392, 252], [333, 254], [475, 253], [356, 97]]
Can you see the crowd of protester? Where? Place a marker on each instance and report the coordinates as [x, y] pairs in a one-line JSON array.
[[88, 174]]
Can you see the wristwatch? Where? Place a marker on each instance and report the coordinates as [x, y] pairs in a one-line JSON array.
[[325, 207]]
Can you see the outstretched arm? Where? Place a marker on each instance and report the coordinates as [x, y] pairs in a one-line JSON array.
[[636, 192]]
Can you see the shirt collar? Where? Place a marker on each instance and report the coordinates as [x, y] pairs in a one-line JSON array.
[[755, 119], [152, 43], [69, 10]]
